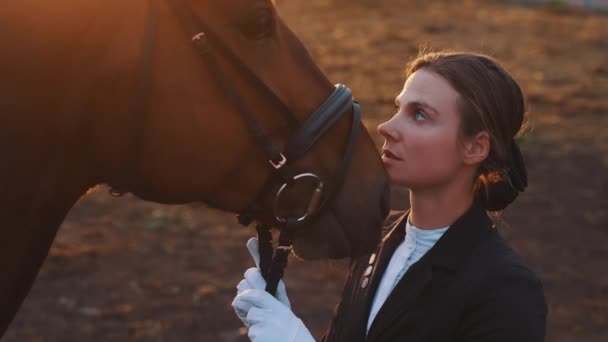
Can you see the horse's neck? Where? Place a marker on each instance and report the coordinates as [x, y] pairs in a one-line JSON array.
[[34, 203]]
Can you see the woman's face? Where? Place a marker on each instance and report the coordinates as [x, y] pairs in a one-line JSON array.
[[421, 148]]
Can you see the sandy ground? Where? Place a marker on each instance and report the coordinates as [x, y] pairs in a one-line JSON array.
[[126, 270]]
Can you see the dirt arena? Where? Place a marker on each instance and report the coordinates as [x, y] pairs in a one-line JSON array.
[[122, 269]]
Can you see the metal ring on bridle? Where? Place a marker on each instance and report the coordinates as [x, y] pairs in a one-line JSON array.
[[315, 200]]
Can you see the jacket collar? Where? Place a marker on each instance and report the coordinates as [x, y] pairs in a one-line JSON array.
[[456, 244], [451, 250], [449, 253]]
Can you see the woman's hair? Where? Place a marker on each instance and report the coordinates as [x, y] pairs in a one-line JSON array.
[[490, 100]]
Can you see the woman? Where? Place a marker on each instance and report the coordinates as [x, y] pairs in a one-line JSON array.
[[442, 271]]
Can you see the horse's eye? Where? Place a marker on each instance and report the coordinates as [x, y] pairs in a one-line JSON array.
[[259, 24]]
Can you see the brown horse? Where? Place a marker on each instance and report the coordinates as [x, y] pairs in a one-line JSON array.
[[88, 95]]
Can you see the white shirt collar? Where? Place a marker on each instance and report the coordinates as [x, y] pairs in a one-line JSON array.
[[417, 235]]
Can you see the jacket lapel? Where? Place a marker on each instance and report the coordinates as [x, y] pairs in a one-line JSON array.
[[389, 243], [403, 296], [448, 254], [350, 322]]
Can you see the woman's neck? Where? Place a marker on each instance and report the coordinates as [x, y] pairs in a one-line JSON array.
[[440, 207]]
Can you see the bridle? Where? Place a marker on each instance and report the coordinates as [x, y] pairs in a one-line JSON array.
[[306, 134]]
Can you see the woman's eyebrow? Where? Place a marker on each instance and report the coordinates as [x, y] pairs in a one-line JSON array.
[[417, 103], [424, 105]]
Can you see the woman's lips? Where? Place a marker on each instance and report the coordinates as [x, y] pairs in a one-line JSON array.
[[390, 155]]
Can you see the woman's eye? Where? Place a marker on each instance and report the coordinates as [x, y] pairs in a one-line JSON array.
[[419, 116]]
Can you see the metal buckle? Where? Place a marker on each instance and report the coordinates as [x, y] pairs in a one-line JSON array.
[[313, 204], [280, 164]]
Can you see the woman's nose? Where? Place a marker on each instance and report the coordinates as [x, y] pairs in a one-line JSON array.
[[384, 130]]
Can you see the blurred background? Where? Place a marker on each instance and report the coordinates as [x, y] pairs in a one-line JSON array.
[[122, 269]]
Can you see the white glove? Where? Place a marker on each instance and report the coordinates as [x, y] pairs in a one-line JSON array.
[[255, 280], [270, 320]]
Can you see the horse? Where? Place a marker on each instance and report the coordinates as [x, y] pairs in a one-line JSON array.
[[114, 92]]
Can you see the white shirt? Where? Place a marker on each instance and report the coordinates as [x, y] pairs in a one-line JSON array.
[[416, 243]]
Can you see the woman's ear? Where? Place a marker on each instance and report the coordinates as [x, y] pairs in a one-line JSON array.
[[476, 148]]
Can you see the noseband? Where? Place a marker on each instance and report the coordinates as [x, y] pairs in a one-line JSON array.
[[305, 136]]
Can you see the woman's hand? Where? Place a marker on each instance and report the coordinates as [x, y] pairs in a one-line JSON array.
[[255, 281], [268, 319]]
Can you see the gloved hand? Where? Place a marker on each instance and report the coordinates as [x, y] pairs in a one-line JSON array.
[[255, 280], [270, 320]]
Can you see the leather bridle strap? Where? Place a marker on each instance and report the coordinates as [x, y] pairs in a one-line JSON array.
[[254, 127], [340, 174], [337, 104]]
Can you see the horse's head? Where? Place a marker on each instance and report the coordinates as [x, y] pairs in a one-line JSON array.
[[192, 144]]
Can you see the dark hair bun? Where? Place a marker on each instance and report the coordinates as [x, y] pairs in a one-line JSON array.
[[517, 174], [498, 195]]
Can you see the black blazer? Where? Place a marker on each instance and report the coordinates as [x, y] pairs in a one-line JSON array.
[[471, 286]]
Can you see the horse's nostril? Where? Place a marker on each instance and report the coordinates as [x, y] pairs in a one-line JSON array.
[[385, 205]]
